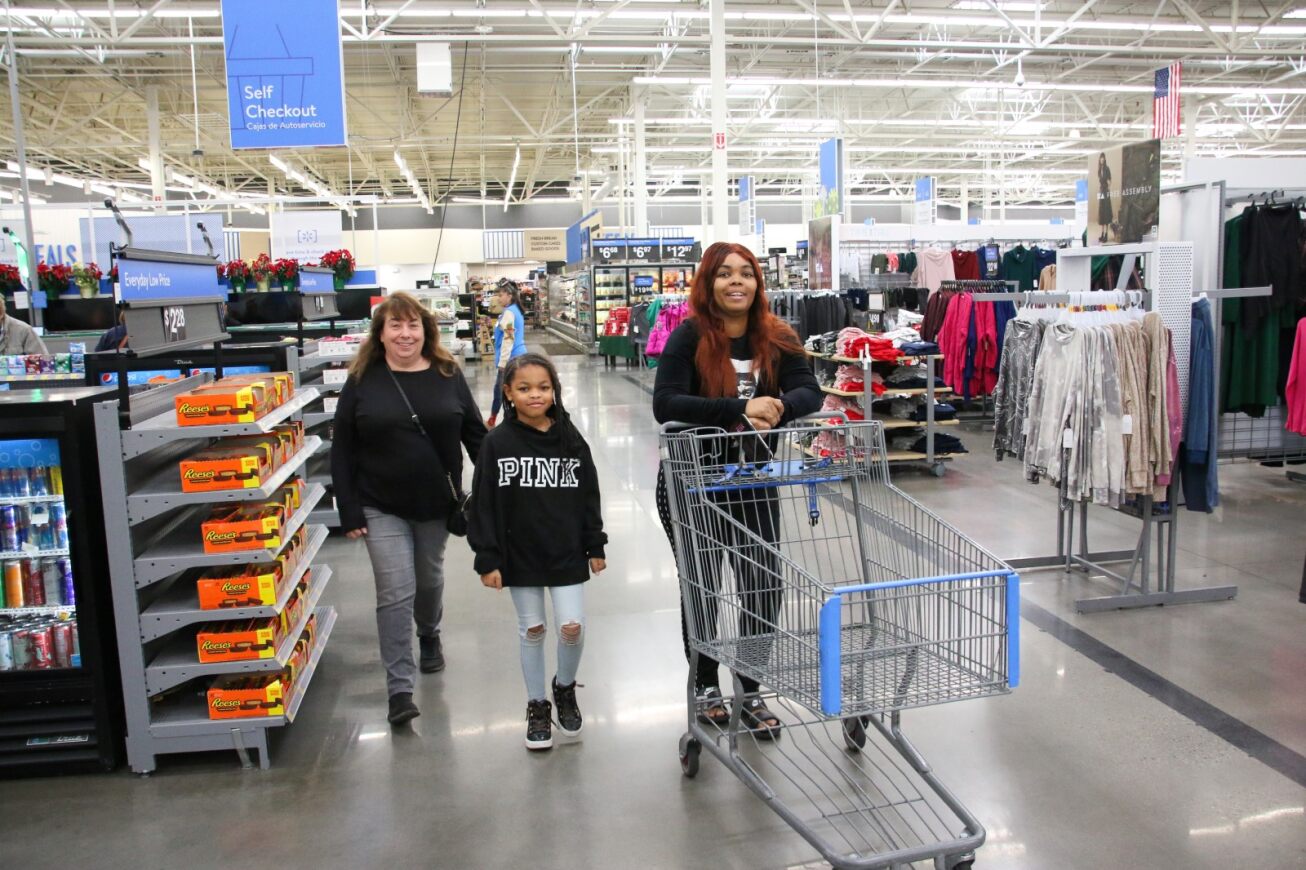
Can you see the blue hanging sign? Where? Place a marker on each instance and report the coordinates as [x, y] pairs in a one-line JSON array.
[[154, 280], [285, 73]]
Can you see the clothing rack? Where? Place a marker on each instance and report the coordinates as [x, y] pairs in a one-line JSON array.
[[1136, 587]]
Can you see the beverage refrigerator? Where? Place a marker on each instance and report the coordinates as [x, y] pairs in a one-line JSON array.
[[60, 700]]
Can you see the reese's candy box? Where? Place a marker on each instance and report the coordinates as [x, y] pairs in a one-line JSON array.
[[236, 697], [242, 585], [279, 385], [239, 640], [220, 403], [242, 466]]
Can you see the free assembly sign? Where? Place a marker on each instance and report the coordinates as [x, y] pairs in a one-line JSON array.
[[285, 82]]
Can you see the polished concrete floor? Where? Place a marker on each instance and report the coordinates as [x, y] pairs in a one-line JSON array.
[[1162, 738]]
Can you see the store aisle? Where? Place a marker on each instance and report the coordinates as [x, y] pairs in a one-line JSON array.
[[1079, 768]]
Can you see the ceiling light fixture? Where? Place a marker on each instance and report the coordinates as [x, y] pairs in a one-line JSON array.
[[409, 177]]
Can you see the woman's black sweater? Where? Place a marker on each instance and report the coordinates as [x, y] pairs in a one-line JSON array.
[[379, 459]]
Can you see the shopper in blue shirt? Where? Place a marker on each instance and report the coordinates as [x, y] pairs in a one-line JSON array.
[[509, 339]]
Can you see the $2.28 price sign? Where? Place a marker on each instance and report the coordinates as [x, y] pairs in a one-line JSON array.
[[174, 323]]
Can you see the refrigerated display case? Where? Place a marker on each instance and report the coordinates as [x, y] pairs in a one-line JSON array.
[[571, 310], [60, 694], [609, 293]]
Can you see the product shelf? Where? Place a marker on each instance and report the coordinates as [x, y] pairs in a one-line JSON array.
[[316, 360], [43, 610], [33, 554], [30, 499], [178, 662], [899, 423], [329, 517], [177, 609], [48, 376], [910, 456], [189, 717], [902, 360], [182, 549], [889, 393], [162, 492], [163, 429], [316, 418]]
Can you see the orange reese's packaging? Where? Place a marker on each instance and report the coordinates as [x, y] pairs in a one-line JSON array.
[[251, 527], [244, 466], [239, 640], [222, 404]]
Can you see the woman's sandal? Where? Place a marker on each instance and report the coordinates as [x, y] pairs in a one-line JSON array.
[[711, 707], [755, 716]]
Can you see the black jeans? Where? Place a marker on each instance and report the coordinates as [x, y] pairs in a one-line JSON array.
[[756, 570]]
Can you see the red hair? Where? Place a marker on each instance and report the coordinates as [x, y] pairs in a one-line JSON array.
[[768, 335]]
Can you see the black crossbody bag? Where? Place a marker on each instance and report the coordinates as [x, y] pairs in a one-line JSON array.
[[457, 521]]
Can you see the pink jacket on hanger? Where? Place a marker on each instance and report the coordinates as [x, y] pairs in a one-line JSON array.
[[984, 377], [952, 340], [1296, 391]]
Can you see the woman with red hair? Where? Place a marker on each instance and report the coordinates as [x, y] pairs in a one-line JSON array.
[[733, 364]]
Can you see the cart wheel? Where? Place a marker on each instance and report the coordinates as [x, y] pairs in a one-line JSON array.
[[689, 752], [937, 469], [854, 733]]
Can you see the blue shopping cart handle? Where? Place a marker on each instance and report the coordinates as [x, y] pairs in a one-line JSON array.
[[829, 631]]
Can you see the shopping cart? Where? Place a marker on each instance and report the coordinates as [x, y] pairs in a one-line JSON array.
[[802, 567]]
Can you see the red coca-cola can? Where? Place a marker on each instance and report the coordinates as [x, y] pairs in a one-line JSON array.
[[41, 648], [33, 583], [63, 644]]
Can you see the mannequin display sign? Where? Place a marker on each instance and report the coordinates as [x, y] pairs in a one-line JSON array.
[[1124, 194]]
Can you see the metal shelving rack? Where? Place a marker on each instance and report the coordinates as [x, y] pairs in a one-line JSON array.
[[155, 551], [929, 458], [309, 365]]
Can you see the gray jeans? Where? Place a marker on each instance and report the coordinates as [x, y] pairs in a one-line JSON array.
[[408, 564]]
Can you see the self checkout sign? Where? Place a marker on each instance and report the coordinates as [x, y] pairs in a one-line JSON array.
[[174, 323]]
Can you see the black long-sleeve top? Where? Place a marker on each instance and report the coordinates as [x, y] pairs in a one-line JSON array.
[[535, 514], [676, 392], [379, 459]]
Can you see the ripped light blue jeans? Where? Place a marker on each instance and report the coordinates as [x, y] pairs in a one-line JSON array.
[[532, 627]]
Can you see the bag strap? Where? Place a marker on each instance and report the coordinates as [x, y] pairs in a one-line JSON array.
[[417, 421]]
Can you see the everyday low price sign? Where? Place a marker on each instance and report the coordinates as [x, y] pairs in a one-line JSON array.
[[151, 280], [285, 81]]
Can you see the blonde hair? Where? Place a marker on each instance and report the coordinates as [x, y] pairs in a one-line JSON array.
[[402, 306]]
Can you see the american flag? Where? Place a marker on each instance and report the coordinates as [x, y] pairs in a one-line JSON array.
[[1165, 102]]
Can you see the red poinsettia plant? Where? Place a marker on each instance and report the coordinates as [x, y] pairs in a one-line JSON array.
[[53, 279], [261, 268], [10, 277], [340, 262], [235, 271], [285, 271]]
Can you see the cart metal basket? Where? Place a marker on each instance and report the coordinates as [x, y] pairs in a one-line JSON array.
[[802, 567]]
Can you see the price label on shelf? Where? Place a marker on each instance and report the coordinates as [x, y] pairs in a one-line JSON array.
[[174, 323]]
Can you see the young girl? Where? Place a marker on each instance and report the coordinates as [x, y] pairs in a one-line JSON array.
[[535, 523]]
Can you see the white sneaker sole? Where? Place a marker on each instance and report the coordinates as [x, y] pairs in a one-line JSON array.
[[571, 735], [539, 745]]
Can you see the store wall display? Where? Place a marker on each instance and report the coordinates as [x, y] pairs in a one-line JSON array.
[[1124, 194], [821, 240]]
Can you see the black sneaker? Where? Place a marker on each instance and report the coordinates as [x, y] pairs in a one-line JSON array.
[[402, 708], [431, 659], [569, 719], [539, 725]]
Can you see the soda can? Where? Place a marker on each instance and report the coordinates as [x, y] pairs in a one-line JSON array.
[[9, 528], [52, 580], [14, 584], [62, 634], [22, 526], [41, 648], [59, 525], [6, 489], [56, 480], [33, 583], [76, 660], [65, 566], [39, 485], [6, 651], [20, 640], [20, 485]]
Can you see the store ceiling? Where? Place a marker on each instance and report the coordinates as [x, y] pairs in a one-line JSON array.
[[913, 86]]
